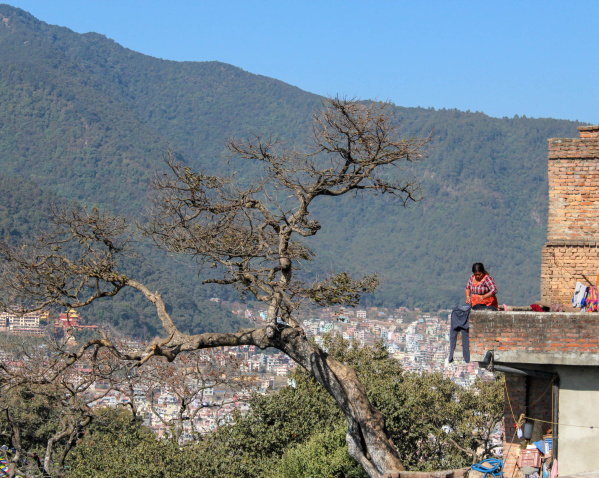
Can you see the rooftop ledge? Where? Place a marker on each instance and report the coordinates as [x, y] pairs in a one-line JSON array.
[[549, 338]]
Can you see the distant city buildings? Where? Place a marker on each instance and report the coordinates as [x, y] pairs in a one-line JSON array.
[[419, 341], [71, 320], [17, 323], [33, 323], [68, 319]]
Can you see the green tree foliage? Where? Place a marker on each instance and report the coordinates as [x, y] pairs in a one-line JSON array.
[[324, 455], [299, 432], [43, 406], [117, 446], [296, 432], [434, 423], [37, 417]]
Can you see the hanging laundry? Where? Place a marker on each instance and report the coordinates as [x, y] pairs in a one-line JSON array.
[[460, 321], [580, 294], [592, 301]]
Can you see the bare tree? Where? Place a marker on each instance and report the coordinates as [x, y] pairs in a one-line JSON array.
[[250, 234], [44, 404], [185, 381]]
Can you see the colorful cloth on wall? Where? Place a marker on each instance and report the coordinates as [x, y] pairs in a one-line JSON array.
[[592, 301]]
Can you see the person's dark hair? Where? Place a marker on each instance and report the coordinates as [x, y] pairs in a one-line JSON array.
[[478, 267]]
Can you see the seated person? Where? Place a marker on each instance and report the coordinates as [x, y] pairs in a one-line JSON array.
[[481, 291]]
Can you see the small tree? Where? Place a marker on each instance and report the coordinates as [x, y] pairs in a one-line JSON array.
[[45, 404], [186, 379], [250, 234]]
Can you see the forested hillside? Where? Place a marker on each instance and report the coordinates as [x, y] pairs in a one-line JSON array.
[[24, 213], [87, 120]]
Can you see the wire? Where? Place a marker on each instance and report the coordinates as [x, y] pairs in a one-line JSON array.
[[552, 430], [506, 455], [592, 427], [543, 394]]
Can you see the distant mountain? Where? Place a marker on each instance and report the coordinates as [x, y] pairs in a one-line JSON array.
[[88, 117], [24, 211], [89, 120]]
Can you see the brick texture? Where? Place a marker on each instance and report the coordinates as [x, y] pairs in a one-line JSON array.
[[571, 253], [573, 199], [573, 148], [562, 265], [589, 131], [530, 332], [530, 396]]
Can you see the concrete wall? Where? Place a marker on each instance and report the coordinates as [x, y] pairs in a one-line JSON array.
[[578, 449]]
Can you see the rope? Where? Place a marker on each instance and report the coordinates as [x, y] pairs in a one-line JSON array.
[[516, 430], [508, 450], [524, 417], [507, 394], [552, 415]]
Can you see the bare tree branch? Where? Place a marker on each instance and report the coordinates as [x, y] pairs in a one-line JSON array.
[[251, 237]]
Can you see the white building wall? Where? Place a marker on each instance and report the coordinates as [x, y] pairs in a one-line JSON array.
[[578, 443]]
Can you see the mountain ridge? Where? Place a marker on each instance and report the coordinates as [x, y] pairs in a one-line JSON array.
[[91, 120]]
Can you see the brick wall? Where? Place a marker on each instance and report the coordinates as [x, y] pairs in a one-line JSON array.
[[530, 396], [573, 197], [565, 263], [574, 148], [571, 253], [538, 333], [589, 131]]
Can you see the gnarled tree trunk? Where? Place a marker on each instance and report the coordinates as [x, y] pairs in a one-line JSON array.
[[367, 438]]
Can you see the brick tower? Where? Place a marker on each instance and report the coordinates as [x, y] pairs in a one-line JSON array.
[[571, 253]]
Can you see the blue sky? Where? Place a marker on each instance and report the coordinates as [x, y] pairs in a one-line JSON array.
[[533, 58]]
